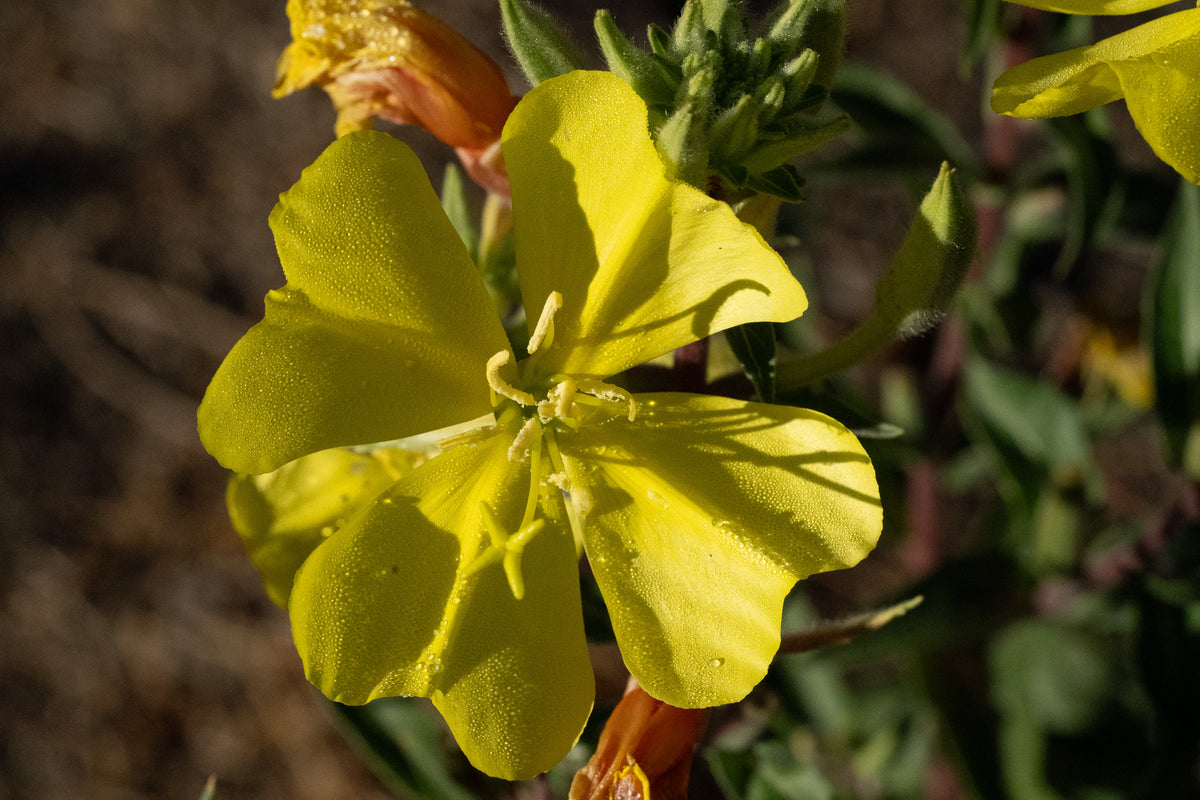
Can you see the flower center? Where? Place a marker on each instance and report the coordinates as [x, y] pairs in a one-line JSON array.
[[561, 407], [561, 404]]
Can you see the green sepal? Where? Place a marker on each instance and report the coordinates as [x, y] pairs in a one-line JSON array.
[[805, 133], [1173, 299], [819, 25], [735, 131], [798, 75], [660, 43], [690, 32], [641, 70], [784, 182], [541, 46]]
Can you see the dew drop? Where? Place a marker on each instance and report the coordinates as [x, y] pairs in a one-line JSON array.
[[716, 662], [327, 531]]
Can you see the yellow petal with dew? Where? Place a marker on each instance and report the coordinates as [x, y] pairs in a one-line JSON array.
[[1155, 67], [644, 265], [1093, 7], [283, 515], [395, 604], [383, 330], [1162, 91], [700, 516]]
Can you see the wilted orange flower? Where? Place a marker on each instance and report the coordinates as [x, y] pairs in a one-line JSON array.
[[644, 752], [388, 59]]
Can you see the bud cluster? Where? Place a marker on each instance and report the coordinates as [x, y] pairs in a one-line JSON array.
[[733, 102]]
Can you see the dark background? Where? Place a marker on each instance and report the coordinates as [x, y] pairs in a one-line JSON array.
[[140, 153]]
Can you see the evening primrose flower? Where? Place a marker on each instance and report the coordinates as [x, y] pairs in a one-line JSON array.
[[459, 583], [1155, 67], [389, 59]]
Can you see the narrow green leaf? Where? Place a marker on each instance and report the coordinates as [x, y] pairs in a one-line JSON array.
[[754, 346], [1090, 166], [1038, 431], [458, 209], [210, 788], [981, 16], [1173, 299], [541, 46], [901, 130], [688, 35], [400, 742], [784, 182]]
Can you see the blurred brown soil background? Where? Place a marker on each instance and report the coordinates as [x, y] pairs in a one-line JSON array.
[[140, 153]]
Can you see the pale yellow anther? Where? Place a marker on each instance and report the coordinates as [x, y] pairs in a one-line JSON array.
[[543, 333], [606, 391], [528, 436], [502, 387], [560, 398]]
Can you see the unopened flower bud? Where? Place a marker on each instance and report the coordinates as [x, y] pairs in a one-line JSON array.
[[389, 59]]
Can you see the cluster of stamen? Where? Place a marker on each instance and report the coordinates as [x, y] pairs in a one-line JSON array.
[[559, 409]]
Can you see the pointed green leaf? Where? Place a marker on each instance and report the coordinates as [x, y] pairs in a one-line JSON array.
[[1174, 305], [1038, 431], [401, 742]]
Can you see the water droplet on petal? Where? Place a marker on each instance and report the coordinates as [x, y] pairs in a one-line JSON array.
[[716, 662]]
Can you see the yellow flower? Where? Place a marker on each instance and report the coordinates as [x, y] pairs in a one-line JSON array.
[[1155, 67], [460, 583], [387, 58]]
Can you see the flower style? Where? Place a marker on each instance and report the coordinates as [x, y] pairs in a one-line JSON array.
[[1155, 67], [459, 583], [389, 59]]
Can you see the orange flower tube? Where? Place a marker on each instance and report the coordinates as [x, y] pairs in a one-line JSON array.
[[389, 59], [644, 752]]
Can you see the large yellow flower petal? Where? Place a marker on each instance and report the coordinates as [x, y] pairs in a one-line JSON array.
[[1155, 67], [700, 516], [389, 605], [1094, 6], [644, 264], [383, 330], [283, 515]]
